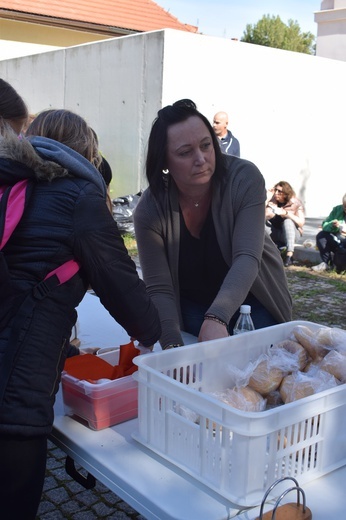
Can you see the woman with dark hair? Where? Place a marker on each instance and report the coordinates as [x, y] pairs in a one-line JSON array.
[[285, 218], [200, 233], [65, 222]]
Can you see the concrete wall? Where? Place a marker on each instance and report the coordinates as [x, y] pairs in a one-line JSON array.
[[116, 85], [285, 108]]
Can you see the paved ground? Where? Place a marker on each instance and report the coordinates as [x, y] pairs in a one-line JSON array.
[[64, 499]]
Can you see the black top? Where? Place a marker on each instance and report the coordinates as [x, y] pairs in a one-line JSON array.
[[200, 259]]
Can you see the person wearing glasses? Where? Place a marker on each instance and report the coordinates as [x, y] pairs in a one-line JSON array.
[[200, 233], [285, 219]]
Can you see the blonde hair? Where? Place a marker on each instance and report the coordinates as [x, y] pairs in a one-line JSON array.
[[67, 128]]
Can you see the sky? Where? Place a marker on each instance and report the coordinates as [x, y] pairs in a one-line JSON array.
[[228, 18]]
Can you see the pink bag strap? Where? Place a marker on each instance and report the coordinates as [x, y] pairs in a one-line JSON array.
[[65, 271], [13, 213], [14, 209]]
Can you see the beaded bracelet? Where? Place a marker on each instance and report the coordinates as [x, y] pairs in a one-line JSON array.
[[215, 318], [172, 345]]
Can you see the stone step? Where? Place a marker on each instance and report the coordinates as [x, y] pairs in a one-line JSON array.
[[302, 253], [306, 254]]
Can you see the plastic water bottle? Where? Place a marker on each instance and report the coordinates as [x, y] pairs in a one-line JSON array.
[[244, 322]]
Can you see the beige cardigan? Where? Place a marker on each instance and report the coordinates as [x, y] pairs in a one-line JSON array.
[[238, 209]]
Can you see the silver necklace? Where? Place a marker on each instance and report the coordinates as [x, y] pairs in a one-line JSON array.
[[196, 203]]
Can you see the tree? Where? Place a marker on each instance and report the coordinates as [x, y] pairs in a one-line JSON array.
[[271, 31]]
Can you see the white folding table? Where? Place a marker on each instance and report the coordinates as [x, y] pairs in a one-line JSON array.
[[148, 483], [151, 485]]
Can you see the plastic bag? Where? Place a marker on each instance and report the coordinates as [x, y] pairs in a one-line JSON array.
[[270, 369], [243, 398], [335, 363], [299, 355], [320, 341], [303, 384], [122, 209]]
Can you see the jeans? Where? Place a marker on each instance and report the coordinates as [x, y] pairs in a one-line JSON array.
[[287, 235], [22, 473], [193, 315], [327, 244]]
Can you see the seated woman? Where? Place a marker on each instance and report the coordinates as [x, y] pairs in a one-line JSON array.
[[285, 218], [200, 235], [332, 237]]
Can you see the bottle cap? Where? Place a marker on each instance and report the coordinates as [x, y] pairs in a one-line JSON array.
[[245, 309]]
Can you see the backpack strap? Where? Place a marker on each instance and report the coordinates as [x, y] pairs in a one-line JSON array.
[[65, 271], [53, 279], [25, 311], [13, 199]]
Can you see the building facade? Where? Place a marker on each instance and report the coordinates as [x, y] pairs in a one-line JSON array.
[[331, 30], [30, 27]]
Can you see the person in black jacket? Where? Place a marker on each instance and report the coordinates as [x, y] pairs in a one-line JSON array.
[[65, 218]]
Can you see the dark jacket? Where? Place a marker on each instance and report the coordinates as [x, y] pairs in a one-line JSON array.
[[230, 144], [66, 217]]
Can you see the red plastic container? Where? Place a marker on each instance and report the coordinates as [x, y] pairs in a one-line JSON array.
[[103, 404]]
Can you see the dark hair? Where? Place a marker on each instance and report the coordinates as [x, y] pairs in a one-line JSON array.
[[67, 128], [106, 171], [12, 106], [157, 145], [287, 190]]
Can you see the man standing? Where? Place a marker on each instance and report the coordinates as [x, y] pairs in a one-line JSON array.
[[228, 143]]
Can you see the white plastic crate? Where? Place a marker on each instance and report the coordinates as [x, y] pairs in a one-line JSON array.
[[237, 454]]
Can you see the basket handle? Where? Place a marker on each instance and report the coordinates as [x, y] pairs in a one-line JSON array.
[[272, 487], [299, 489]]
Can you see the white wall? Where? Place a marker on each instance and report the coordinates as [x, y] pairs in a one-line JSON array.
[[285, 108]]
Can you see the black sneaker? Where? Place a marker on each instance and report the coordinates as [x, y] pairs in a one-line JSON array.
[[288, 261]]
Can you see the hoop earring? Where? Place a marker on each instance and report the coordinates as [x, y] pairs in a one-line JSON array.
[[165, 172]]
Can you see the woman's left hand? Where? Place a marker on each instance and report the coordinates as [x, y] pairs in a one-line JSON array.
[[212, 330]]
